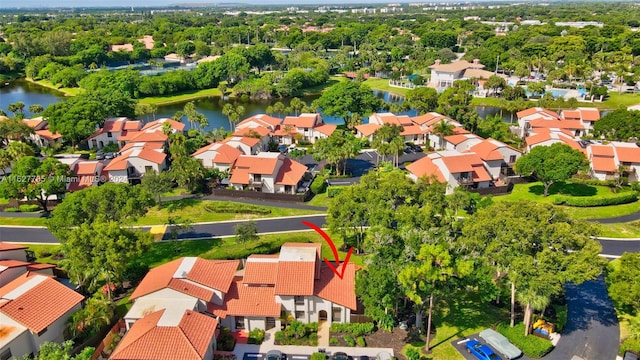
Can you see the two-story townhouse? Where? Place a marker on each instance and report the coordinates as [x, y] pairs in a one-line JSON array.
[[152, 132], [42, 136], [628, 156], [85, 174], [453, 168], [267, 172], [284, 134], [525, 116], [29, 316], [217, 156], [498, 157], [546, 137], [259, 132], [111, 131], [168, 334], [602, 161], [133, 161], [390, 119], [574, 127], [310, 126], [461, 142], [411, 132], [259, 120], [587, 117]]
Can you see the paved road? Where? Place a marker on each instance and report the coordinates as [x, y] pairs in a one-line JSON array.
[[592, 331]]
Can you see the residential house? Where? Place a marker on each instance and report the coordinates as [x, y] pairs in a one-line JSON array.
[[284, 134], [111, 131], [248, 145], [443, 75], [605, 160], [498, 157], [261, 133], [573, 127], [453, 168], [366, 131], [259, 120], [525, 116], [310, 126], [546, 137], [167, 334], [438, 141], [267, 172], [42, 136], [134, 160], [390, 119], [461, 142], [411, 132], [152, 132], [85, 174], [34, 308], [217, 156], [16, 260], [587, 117]]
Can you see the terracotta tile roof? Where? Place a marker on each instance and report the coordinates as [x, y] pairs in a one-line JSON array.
[[536, 110], [303, 120], [281, 131], [295, 278], [480, 173], [480, 74], [32, 123], [144, 136], [114, 124], [261, 119], [201, 277], [460, 130], [570, 114], [148, 145], [558, 124], [628, 154], [86, 167], [224, 154], [367, 129], [122, 162], [29, 301], [7, 264], [459, 139], [390, 119], [602, 150], [290, 172], [239, 176], [553, 136], [412, 129], [8, 247], [148, 339], [428, 119], [340, 291], [46, 134], [261, 270], [257, 164], [156, 125], [425, 167], [487, 150], [455, 66], [244, 300], [326, 129], [457, 164], [603, 164], [589, 114], [39, 266], [246, 131]]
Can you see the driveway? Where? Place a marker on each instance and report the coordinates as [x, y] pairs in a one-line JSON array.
[[459, 345], [592, 331]]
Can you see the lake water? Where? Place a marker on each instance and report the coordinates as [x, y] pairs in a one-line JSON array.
[[211, 107]]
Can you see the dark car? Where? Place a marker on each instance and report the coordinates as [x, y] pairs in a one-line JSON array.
[[275, 355], [408, 150], [630, 356], [417, 148], [283, 148], [480, 350], [340, 356]]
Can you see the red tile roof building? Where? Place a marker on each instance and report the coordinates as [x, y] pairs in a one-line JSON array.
[[268, 172]]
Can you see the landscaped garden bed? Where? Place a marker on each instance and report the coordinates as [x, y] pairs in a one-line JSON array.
[[297, 333], [350, 334], [531, 346]]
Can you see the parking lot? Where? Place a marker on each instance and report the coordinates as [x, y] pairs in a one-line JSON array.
[[259, 356]]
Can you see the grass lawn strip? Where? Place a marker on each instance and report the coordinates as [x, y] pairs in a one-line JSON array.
[[180, 97], [621, 230], [30, 221], [383, 85]]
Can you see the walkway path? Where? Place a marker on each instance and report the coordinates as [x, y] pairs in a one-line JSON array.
[[323, 333]]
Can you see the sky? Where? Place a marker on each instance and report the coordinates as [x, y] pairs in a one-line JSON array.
[[147, 3]]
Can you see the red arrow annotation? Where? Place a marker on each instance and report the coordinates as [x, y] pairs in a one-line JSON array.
[[333, 249]]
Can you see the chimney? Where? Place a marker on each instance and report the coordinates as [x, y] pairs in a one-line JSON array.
[[476, 61], [438, 61]]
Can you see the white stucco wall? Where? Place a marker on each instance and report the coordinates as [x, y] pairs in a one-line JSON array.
[[20, 346], [11, 274], [18, 254]]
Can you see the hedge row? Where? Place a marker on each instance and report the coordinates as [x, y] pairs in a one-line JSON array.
[[237, 209], [355, 329], [594, 182], [532, 346], [591, 201], [318, 185], [334, 190]]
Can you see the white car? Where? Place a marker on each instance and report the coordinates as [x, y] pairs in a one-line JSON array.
[[500, 343]]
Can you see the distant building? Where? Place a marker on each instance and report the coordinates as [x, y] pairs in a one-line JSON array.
[[443, 75]]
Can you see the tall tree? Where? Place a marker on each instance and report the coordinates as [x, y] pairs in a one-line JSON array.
[[157, 184], [336, 149], [36, 180], [422, 99], [346, 98], [550, 164], [443, 128], [618, 125], [245, 232], [36, 108], [387, 141]]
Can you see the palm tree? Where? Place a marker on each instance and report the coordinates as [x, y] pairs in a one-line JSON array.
[[442, 129], [36, 108], [228, 110], [296, 105], [532, 300], [16, 107]]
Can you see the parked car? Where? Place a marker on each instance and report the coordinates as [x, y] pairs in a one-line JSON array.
[[480, 350], [283, 148], [275, 355], [500, 343], [630, 356], [340, 356]]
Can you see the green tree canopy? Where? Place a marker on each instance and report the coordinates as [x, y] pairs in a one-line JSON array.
[[336, 149], [346, 98], [245, 232], [56, 351], [623, 281], [619, 125], [550, 164], [422, 99]]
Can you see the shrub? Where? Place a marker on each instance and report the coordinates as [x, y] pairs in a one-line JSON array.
[[29, 208], [630, 344], [350, 341], [318, 186], [136, 271], [591, 201], [332, 341], [226, 341], [11, 210], [354, 329], [593, 182], [413, 353], [334, 190], [279, 337], [236, 208], [532, 346], [43, 253], [319, 355], [360, 341], [256, 336]]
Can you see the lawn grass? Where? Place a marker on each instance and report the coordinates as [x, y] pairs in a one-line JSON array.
[[621, 230], [180, 97], [197, 210], [175, 192], [459, 316], [383, 85], [318, 89], [14, 221], [533, 192], [616, 101], [229, 248], [64, 90], [45, 252], [4, 201], [320, 200]]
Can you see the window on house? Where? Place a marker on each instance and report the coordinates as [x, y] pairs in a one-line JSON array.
[[512, 159], [109, 134], [299, 315], [239, 322], [299, 300], [6, 355], [257, 178], [336, 314], [148, 169]]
